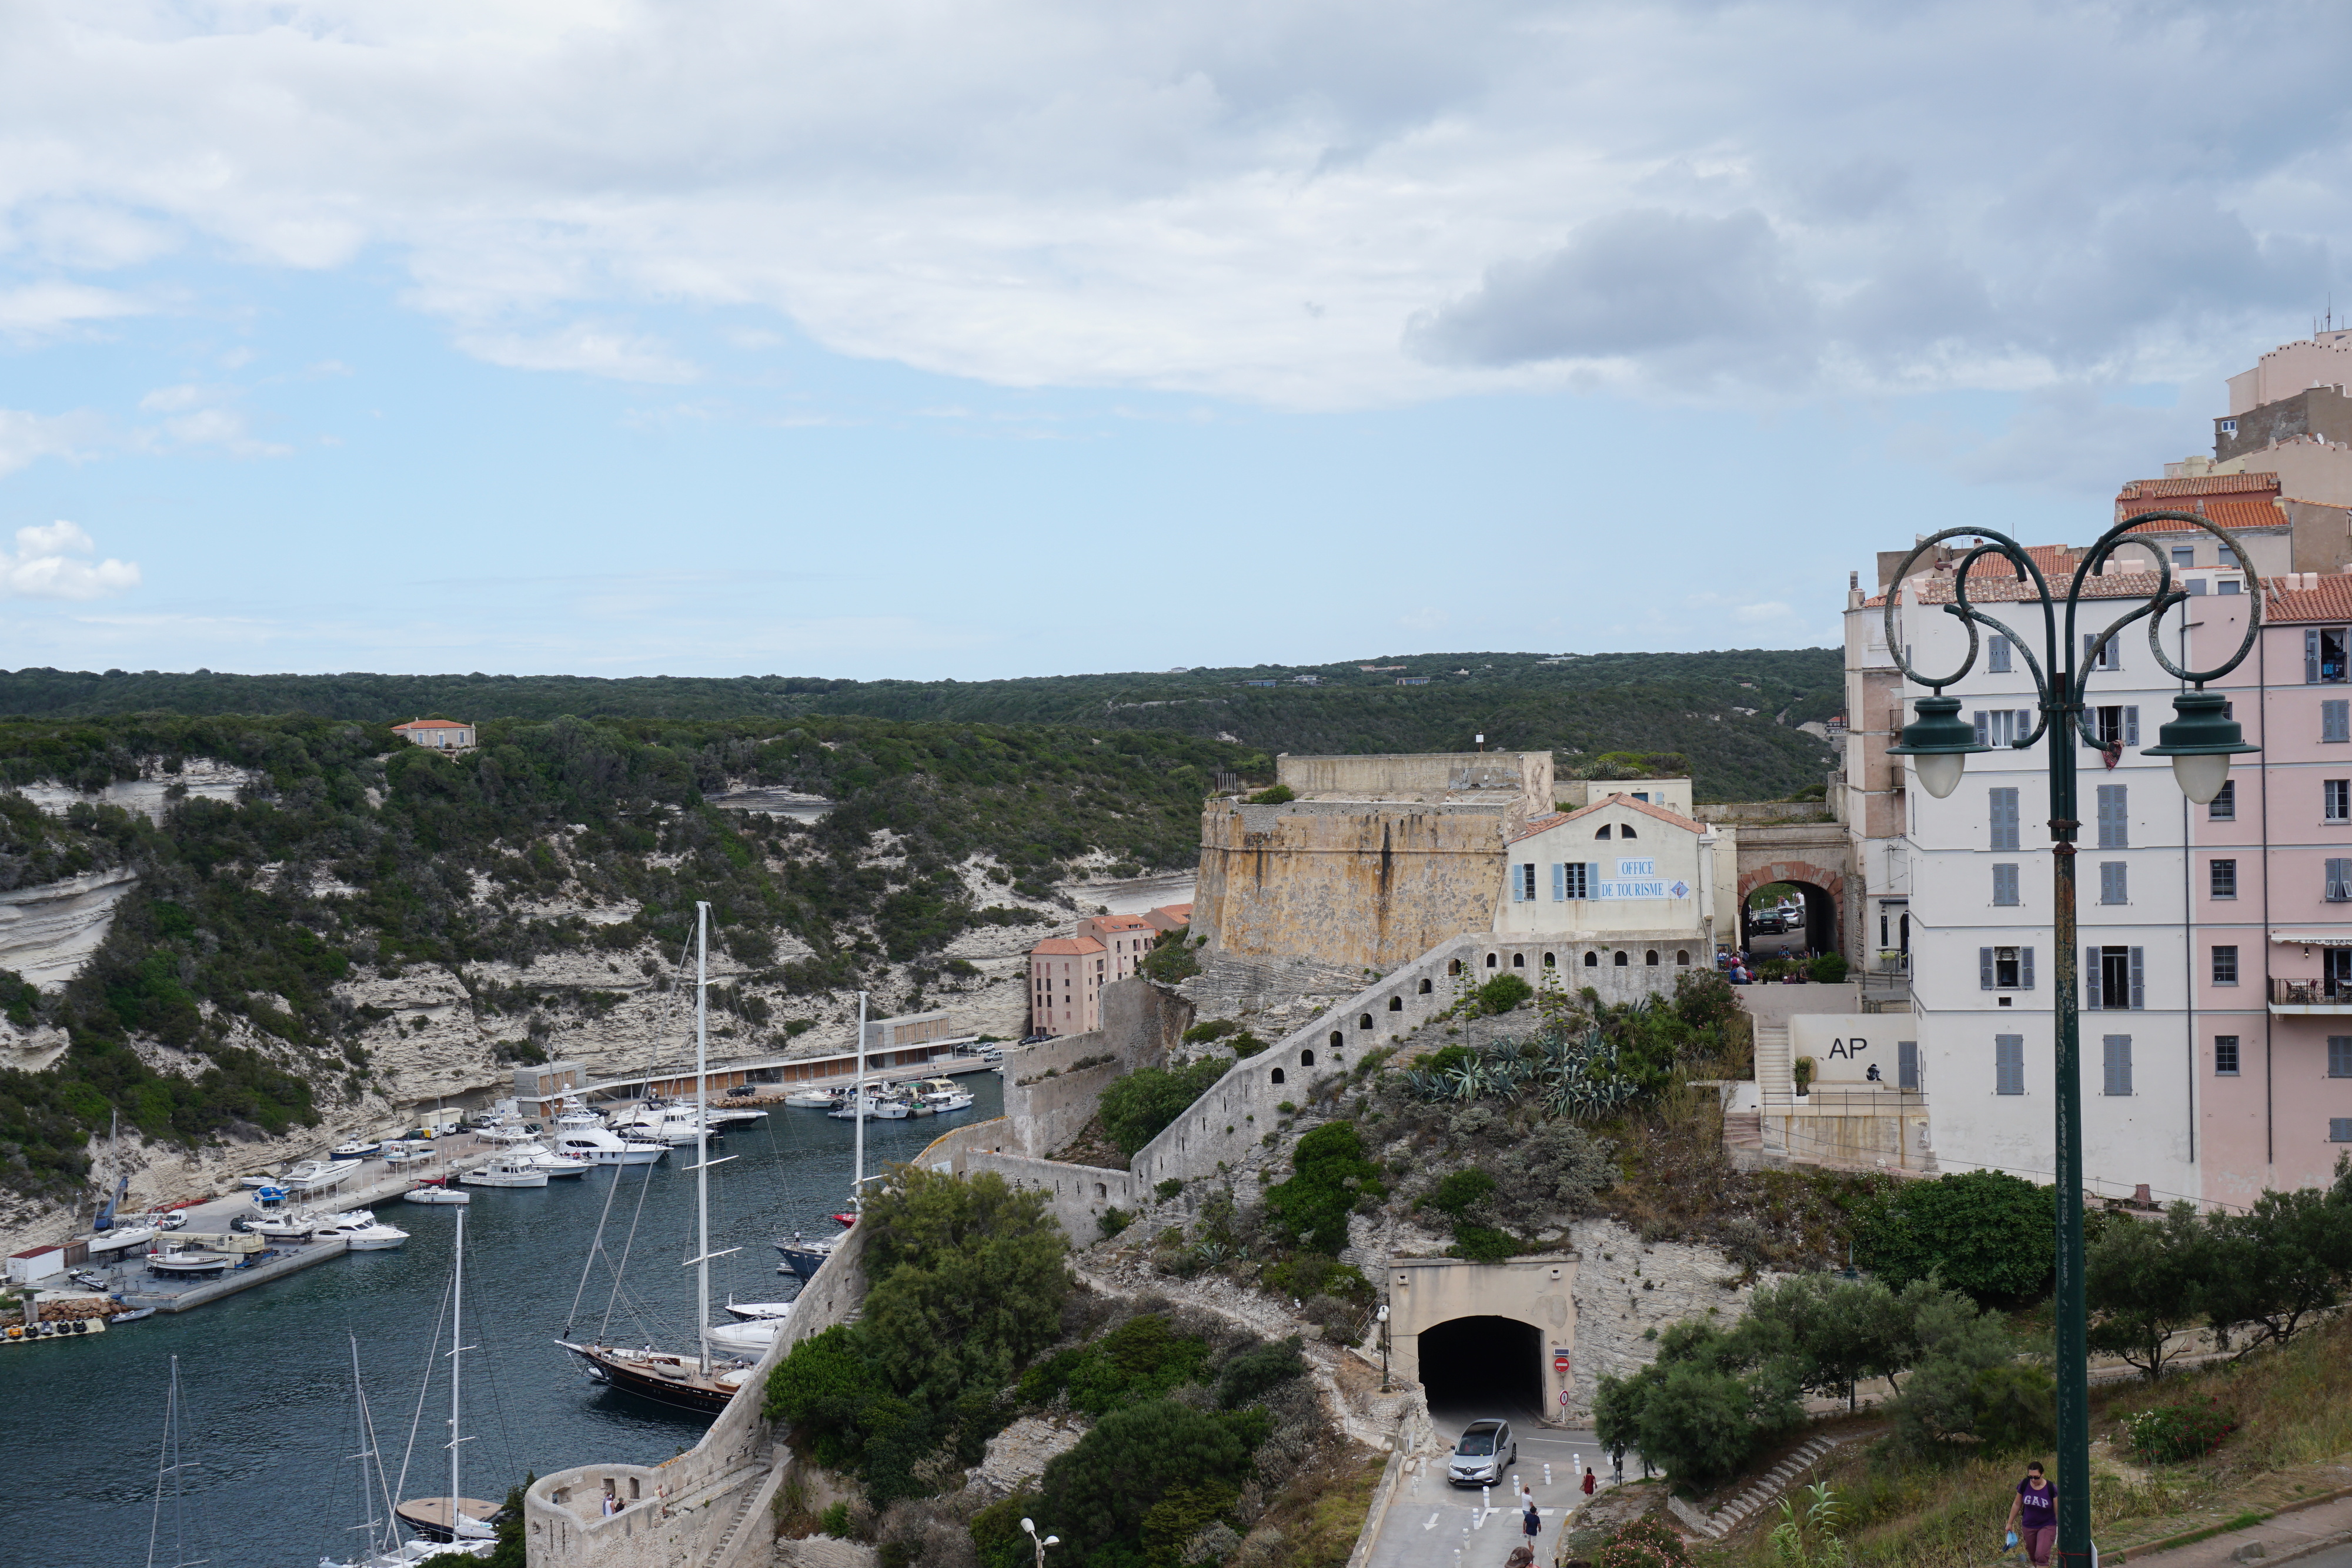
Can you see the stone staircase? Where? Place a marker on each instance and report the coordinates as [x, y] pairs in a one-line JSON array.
[[1766, 1490], [743, 1506], [1743, 1133]]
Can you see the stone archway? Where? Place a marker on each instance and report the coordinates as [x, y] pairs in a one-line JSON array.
[[1818, 858]]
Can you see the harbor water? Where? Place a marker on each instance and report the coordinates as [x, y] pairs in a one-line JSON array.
[[267, 1419]]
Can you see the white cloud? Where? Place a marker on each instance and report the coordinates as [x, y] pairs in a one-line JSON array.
[[43, 566], [583, 346], [42, 309], [24, 437], [1770, 611], [1305, 201], [198, 416]]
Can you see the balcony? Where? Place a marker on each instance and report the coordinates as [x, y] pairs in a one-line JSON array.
[[2310, 997]]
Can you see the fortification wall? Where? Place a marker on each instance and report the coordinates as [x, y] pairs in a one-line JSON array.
[[710, 1505], [1423, 775], [1366, 886], [1077, 1195], [1141, 1022]]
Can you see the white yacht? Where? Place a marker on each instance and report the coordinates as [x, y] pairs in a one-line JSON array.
[[813, 1099], [554, 1164], [316, 1175], [753, 1311], [370, 1235], [752, 1338], [676, 1126], [599, 1147], [505, 1173], [435, 1192], [941, 1095]]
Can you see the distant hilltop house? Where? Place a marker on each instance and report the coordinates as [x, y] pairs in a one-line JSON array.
[[441, 734], [1066, 973]]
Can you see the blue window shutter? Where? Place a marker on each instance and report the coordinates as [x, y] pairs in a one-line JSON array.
[[1558, 883], [2311, 658], [2091, 977], [2024, 722], [1984, 969], [2131, 724], [2009, 1064], [2138, 980], [1593, 879], [2025, 968], [1984, 734]]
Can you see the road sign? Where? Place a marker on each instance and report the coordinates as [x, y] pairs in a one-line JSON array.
[[1563, 1397]]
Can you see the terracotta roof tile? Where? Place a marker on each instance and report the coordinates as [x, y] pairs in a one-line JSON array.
[[1544, 823], [1065, 947], [2009, 590], [2230, 511], [2204, 484], [430, 724], [2331, 600]]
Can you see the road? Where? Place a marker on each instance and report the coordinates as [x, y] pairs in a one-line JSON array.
[[1435, 1524]]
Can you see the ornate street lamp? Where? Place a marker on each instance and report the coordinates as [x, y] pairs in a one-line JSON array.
[[2201, 740]]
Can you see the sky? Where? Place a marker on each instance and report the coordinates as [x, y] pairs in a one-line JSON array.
[[1028, 336]]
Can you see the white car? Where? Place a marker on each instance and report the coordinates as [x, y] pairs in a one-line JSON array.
[[1487, 1450]]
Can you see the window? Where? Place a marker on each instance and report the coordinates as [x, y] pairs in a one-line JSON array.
[[2225, 965], [2229, 427], [2005, 969], [2224, 808], [1652, 958], [2118, 1064], [1593, 960], [2339, 881], [2114, 882], [2004, 883], [2001, 806], [2339, 1056], [2183, 557], [2335, 720], [1523, 883], [2114, 978], [1604, 832], [2003, 726], [2221, 878], [2337, 800], [2323, 655], [1572, 882], [2009, 1065], [2115, 817], [1625, 831], [2227, 586], [1622, 961], [1997, 655], [2339, 1129], [1641, 795], [2098, 656], [2115, 725], [1682, 958], [2225, 1056]]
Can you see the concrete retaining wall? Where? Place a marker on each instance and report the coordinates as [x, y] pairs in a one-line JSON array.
[[1078, 1193]]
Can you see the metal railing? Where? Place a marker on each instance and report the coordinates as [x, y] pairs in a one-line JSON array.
[[1885, 1101], [2327, 993]]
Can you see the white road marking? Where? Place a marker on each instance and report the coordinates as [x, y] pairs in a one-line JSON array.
[[1432, 1523]]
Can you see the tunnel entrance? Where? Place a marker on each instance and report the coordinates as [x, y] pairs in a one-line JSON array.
[[1474, 1367], [1816, 928]]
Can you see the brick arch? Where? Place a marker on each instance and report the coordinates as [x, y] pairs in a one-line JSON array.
[[1809, 871]]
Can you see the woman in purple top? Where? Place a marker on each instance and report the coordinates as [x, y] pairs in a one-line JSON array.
[[2034, 1514]]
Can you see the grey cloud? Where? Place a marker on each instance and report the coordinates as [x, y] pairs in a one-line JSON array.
[[1640, 282]]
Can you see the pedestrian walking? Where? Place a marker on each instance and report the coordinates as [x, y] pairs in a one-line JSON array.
[[1531, 1522], [1589, 1482], [2033, 1515]]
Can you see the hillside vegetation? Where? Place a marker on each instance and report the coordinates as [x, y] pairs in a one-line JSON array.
[[213, 1004], [1732, 713]]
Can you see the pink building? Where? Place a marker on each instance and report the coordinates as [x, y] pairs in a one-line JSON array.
[[1066, 973], [2270, 892]]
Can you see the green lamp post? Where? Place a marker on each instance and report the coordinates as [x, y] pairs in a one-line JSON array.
[[2201, 740]]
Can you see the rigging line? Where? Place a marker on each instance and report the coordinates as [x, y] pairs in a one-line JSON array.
[[166, 1463], [425, 1388], [643, 1187], [377, 1537], [595, 1248]]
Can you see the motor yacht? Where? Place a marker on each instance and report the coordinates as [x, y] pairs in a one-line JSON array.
[[599, 1147], [357, 1149], [505, 1173], [676, 1126], [434, 1191], [370, 1234], [538, 1154], [813, 1099], [753, 1311], [315, 1176], [752, 1338], [804, 1257], [941, 1095]]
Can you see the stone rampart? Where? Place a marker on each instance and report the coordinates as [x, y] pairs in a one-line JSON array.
[[1370, 886], [1077, 1195], [1141, 1022], [710, 1507]]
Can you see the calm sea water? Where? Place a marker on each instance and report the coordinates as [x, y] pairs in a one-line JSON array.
[[267, 1414]]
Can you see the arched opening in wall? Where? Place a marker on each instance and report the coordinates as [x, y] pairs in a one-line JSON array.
[[1365, 1021], [1653, 958], [1490, 960], [1338, 1039], [1623, 960], [1484, 1367], [1396, 1004], [1682, 958], [1790, 915], [1426, 987], [1306, 1059], [1277, 1078], [1452, 968], [1593, 960], [1518, 960], [1550, 962]]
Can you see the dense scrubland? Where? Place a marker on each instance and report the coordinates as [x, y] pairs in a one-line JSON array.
[[1732, 713], [352, 850]]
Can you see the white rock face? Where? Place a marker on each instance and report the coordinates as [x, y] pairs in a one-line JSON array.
[[205, 776], [1625, 1288], [1019, 1453], [48, 932]]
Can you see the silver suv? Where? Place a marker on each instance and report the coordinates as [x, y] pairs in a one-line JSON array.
[[1486, 1451]]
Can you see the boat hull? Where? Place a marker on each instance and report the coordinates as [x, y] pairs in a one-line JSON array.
[[635, 1378]]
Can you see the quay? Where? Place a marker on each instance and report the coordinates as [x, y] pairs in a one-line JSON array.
[[376, 1181]]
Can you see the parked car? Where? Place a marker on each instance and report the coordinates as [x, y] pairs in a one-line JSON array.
[[1486, 1451]]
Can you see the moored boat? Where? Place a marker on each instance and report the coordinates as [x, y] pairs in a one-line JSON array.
[[599, 1147], [505, 1173], [813, 1099], [804, 1257], [434, 1191]]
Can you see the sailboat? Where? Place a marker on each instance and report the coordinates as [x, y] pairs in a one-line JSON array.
[[385, 1548], [171, 1469], [460, 1522], [696, 1382]]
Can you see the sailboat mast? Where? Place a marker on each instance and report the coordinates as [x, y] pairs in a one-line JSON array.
[[456, 1344], [857, 1102], [702, 1131]]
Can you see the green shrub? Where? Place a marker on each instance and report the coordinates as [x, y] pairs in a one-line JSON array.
[[1331, 1175], [1646, 1543], [1280, 795], [1484, 1244], [1247, 1376], [1100, 1494], [996, 1533], [1139, 1360], [1246, 1045], [1169, 1188], [1502, 994], [2170, 1434], [834, 1521], [1113, 1220], [1984, 1232], [1135, 1106], [1829, 969], [1172, 959], [1215, 1029]]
